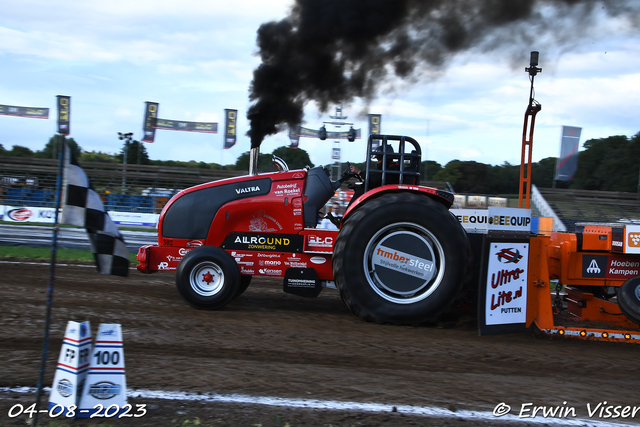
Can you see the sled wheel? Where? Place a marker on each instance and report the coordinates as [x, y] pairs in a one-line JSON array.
[[629, 299], [207, 278], [245, 281], [401, 258]]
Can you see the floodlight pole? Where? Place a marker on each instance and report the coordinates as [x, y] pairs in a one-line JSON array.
[[527, 136], [127, 139], [337, 121]]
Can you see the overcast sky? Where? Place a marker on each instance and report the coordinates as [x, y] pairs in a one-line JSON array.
[[196, 58]]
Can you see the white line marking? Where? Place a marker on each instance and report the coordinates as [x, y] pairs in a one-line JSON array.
[[334, 405]]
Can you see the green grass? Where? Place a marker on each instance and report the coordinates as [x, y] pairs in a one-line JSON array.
[[45, 253]]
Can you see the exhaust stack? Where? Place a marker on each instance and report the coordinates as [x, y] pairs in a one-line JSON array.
[[254, 154]]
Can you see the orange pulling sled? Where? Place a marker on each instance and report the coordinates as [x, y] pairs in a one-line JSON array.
[[597, 295]]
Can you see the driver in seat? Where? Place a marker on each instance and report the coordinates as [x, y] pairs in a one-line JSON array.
[[375, 179]]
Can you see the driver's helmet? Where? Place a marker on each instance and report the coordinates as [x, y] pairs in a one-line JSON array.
[[379, 151]]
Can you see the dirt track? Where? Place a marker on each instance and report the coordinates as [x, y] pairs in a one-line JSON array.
[[268, 343]]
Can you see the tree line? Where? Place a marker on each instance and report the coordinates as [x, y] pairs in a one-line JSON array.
[[606, 164]]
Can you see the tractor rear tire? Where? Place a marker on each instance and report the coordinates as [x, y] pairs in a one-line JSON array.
[[401, 258], [207, 278], [629, 299]]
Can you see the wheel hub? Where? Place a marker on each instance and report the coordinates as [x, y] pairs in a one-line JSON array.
[[206, 279]]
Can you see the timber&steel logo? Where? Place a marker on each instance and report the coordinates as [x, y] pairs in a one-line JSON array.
[[509, 255]]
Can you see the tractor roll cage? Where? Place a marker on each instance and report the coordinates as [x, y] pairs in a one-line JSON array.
[[410, 170]]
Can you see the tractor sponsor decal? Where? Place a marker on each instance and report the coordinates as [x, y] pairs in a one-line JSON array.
[[296, 205], [183, 251], [247, 190], [172, 258], [264, 242], [318, 260], [295, 261], [269, 256], [314, 242], [403, 262], [247, 271], [291, 189], [506, 299], [194, 243], [259, 223], [301, 283], [269, 263], [243, 259], [609, 266], [296, 264], [270, 272]]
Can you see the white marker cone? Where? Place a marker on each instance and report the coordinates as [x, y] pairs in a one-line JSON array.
[[105, 388], [73, 365]]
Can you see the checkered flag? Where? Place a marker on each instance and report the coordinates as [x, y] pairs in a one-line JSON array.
[[83, 207]]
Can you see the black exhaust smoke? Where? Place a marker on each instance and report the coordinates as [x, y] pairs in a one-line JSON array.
[[332, 51]]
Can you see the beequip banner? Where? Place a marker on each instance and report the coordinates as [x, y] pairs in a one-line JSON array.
[[64, 114], [33, 112], [230, 127], [150, 118], [181, 125], [374, 127]]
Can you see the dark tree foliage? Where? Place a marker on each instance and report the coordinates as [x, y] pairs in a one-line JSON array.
[[609, 164], [429, 169], [20, 151], [50, 150], [131, 148], [264, 163], [295, 158], [97, 156]]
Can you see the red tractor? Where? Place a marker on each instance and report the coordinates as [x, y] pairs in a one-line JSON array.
[[398, 257]]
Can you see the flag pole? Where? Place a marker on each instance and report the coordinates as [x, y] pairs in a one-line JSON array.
[[52, 275]]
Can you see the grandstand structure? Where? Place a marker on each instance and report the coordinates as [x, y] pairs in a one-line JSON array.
[[26, 181], [573, 206]]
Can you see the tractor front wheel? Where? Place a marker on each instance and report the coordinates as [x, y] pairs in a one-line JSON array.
[[401, 258], [207, 278]]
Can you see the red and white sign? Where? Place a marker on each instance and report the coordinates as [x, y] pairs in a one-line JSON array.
[[506, 300]]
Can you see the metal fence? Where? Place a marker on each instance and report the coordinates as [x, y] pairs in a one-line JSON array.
[[26, 181]]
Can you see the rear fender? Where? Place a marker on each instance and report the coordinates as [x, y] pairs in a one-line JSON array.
[[443, 197]]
